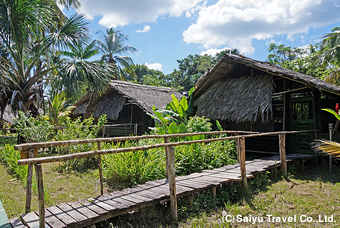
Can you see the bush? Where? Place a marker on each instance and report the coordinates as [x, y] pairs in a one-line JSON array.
[[132, 168], [11, 156], [78, 129], [33, 129]]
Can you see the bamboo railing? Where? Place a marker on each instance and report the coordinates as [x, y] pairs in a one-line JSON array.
[[29, 156]]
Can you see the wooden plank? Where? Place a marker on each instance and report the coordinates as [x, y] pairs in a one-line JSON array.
[[31, 220], [84, 210], [4, 223], [98, 210], [104, 205], [72, 212], [52, 221], [146, 191], [62, 216], [163, 186], [16, 223]]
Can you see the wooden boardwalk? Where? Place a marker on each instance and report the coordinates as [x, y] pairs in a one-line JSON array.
[[87, 212]]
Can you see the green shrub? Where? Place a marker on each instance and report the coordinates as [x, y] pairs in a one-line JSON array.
[[11, 156], [77, 129], [132, 168], [33, 129]]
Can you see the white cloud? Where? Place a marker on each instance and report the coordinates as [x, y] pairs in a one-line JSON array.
[[145, 29], [213, 51], [154, 66], [236, 23], [120, 13]]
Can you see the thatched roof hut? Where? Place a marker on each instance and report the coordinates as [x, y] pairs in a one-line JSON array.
[[126, 103], [246, 94]]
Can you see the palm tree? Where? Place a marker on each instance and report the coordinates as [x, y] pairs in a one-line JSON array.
[[23, 34], [330, 54], [76, 75], [112, 46]]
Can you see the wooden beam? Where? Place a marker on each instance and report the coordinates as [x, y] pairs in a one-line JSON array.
[[40, 186], [241, 151], [282, 145], [29, 181], [100, 170], [128, 149], [167, 152], [172, 183]]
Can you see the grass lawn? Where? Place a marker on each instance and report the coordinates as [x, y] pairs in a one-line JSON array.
[[310, 194], [307, 196], [60, 187]]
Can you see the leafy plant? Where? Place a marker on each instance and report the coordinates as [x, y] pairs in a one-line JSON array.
[[11, 156], [78, 129], [33, 129]]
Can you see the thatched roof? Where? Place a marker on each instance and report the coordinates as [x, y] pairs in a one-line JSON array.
[[112, 101], [226, 92], [228, 63], [238, 99]]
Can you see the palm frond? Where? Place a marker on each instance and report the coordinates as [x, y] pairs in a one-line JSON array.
[[326, 146]]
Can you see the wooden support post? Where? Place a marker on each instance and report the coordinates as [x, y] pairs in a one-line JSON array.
[[282, 145], [190, 200], [167, 140], [40, 185], [213, 190], [103, 132], [237, 142], [330, 158], [100, 170], [241, 152], [29, 182], [172, 183]]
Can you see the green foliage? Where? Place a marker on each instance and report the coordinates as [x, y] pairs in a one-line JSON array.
[[176, 112], [33, 129], [332, 112], [62, 112], [11, 156], [132, 168], [78, 129]]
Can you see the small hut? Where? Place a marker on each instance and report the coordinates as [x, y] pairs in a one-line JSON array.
[[126, 105], [246, 94]]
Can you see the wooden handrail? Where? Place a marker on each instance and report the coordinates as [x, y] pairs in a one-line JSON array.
[[27, 146], [169, 150], [128, 149]]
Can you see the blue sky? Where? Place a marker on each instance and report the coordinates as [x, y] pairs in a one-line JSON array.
[[166, 30]]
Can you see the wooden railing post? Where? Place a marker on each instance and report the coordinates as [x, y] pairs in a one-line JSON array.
[[40, 185], [167, 140], [29, 182], [282, 145], [172, 183], [241, 152], [100, 170], [237, 142]]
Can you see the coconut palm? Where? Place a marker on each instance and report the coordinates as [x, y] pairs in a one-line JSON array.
[[112, 47], [22, 33], [330, 54], [77, 75]]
